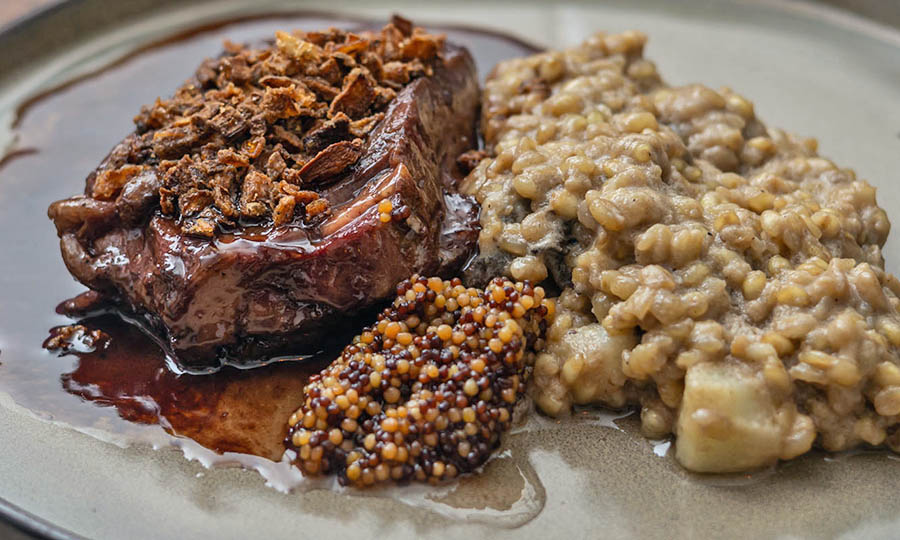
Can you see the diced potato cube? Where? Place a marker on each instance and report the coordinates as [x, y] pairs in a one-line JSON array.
[[593, 365], [727, 421]]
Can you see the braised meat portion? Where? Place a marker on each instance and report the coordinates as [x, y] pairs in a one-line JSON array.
[[280, 188]]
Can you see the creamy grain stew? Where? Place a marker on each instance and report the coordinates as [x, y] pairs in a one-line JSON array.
[[714, 271]]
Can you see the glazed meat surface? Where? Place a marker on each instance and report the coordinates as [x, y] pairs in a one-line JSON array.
[[281, 188]]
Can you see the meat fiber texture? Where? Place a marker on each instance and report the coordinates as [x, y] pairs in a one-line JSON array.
[[257, 289]]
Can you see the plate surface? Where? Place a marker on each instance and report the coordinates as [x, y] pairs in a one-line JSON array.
[[811, 72]]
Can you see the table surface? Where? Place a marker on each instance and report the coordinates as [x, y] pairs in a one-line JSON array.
[[881, 10]]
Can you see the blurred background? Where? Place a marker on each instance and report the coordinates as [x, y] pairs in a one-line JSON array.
[[885, 11]]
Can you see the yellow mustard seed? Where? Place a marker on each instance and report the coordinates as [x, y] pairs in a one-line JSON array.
[[392, 395], [498, 294], [389, 451], [369, 441], [300, 437], [335, 436], [444, 332], [390, 425], [391, 330]]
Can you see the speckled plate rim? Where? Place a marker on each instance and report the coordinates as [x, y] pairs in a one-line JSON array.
[[25, 26]]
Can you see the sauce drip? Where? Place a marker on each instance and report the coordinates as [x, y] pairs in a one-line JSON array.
[[230, 411]]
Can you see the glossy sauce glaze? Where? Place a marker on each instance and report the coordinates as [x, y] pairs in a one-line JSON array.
[[230, 411], [123, 390]]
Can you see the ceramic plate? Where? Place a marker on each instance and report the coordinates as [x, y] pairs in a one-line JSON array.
[[808, 69]]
